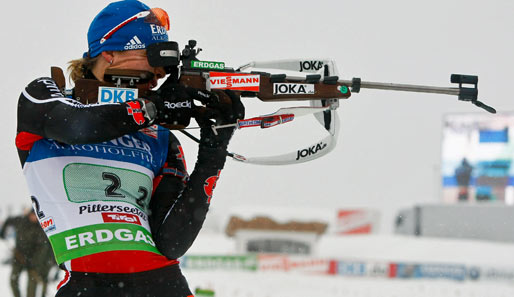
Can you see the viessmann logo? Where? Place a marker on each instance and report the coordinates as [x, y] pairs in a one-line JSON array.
[[234, 81], [113, 217]]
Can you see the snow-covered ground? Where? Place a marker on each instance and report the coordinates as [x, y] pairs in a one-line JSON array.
[[246, 284], [380, 248], [384, 248]]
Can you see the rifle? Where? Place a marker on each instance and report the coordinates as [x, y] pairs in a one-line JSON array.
[[315, 81], [321, 80]]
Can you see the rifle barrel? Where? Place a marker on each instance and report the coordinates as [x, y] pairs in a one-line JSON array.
[[404, 87]]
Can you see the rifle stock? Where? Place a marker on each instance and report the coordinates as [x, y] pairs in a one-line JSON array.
[[294, 89], [279, 87]]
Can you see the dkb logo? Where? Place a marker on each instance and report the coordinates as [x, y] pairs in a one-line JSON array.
[[107, 95]]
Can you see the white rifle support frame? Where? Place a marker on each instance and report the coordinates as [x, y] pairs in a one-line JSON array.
[[327, 117]]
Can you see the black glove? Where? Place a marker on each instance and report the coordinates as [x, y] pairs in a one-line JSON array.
[[174, 103], [225, 108]]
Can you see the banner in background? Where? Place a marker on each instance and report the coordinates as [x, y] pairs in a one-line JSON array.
[[346, 267], [293, 264], [356, 221], [236, 262], [443, 271]]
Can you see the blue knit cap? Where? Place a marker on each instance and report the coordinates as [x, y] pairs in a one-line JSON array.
[[124, 25]]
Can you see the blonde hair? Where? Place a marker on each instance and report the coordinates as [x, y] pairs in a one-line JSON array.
[[79, 67]]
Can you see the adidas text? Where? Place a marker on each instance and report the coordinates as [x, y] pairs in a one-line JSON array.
[[134, 46], [134, 43]]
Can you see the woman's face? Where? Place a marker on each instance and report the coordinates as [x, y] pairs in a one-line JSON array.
[[136, 60]]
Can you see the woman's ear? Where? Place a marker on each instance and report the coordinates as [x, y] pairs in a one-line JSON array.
[[108, 56]]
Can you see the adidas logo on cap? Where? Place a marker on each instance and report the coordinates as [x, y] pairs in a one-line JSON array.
[[134, 43]]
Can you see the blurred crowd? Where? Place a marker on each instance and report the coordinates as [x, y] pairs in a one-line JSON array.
[[31, 253]]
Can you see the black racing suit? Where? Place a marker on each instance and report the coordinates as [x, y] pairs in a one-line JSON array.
[[48, 121]]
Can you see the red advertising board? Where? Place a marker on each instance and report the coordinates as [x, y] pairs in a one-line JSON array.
[[356, 221]]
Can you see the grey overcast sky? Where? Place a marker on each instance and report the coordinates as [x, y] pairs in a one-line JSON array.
[[388, 156]]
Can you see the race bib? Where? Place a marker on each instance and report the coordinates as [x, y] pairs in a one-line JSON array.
[[88, 182]]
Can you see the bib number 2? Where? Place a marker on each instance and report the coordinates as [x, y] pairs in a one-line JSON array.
[[110, 191], [87, 182]]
